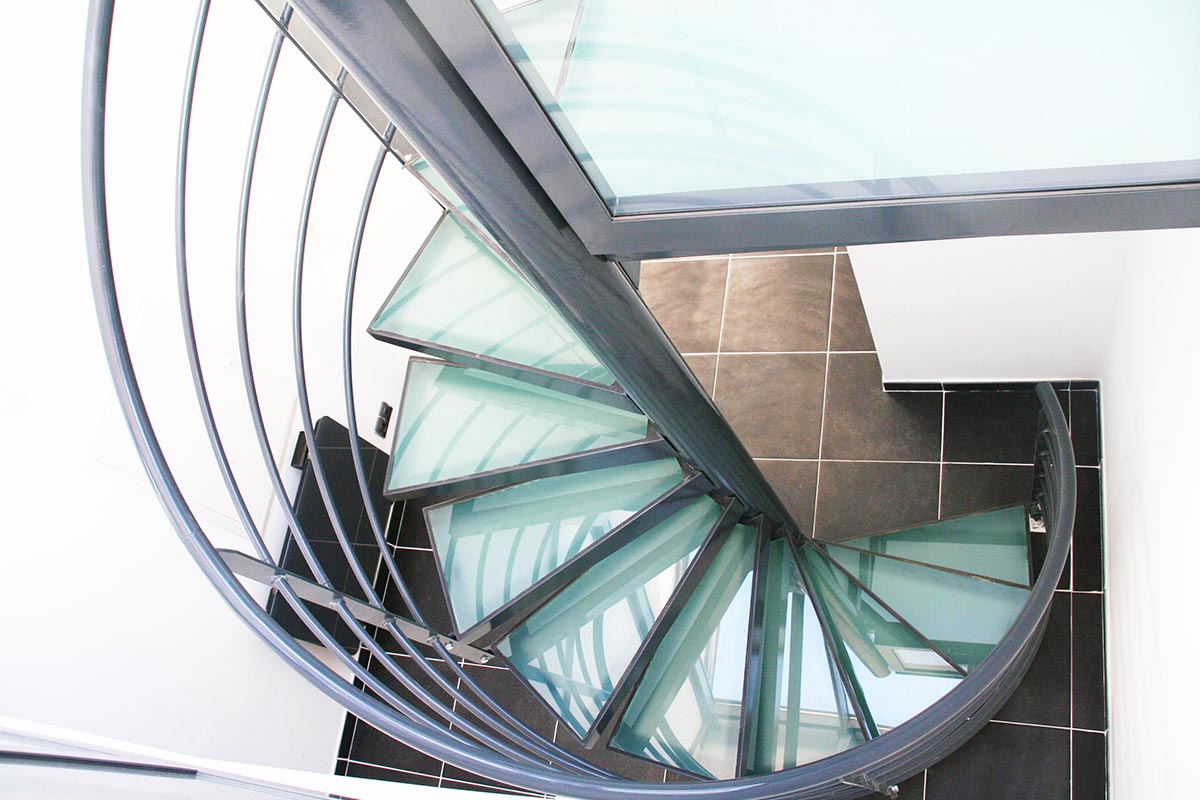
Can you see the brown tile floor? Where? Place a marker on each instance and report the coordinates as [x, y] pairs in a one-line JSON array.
[[788, 357]]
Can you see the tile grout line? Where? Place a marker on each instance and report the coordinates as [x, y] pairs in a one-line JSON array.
[[785, 353], [942, 455], [721, 327], [1046, 727], [824, 395]]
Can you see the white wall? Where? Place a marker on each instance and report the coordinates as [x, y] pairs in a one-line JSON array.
[[1151, 426], [1013, 308], [109, 627]]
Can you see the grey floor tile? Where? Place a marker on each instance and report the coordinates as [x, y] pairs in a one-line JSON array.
[[864, 422], [796, 484], [861, 498], [849, 328], [1087, 657], [687, 297], [1089, 773], [773, 402], [778, 304]]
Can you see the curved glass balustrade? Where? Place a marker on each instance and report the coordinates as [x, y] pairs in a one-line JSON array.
[[673, 106]]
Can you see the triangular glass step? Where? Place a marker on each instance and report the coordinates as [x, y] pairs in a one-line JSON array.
[[994, 544], [965, 617], [459, 294], [492, 547], [575, 649], [456, 422], [686, 712], [544, 30], [801, 712], [894, 674]]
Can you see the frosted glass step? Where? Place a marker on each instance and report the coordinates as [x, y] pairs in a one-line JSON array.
[[801, 712], [575, 648], [994, 544], [686, 712], [494, 546], [459, 294], [456, 422], [897, 674], [965, 617]]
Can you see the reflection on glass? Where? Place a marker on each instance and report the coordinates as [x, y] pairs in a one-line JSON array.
[[575, 648], [801, 711], [670, 105], [993, 544], [493, 546], [460, 294], [965, 617], [896, 673], [456, 422], [686, 712]]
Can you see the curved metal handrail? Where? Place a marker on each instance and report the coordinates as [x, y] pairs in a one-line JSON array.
[[503, 748]]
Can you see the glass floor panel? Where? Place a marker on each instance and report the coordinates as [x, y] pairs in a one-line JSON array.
[[802, 713], [493, 546], [575, 648], [456, 421], [897, 673], [687, 710]]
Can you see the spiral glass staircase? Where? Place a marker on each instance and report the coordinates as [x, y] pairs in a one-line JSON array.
[[583, 535]]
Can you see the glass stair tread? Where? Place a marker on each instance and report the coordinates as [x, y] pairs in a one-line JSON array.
[[460, 295], [965, 617], [576, 648], [492, 547], [687, 708], [456, 422], [993, 544], [799, 711], [892, 673]]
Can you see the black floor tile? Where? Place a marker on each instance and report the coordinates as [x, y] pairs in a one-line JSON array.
[[796, 484], [773, 402], [1090, 767], [778, 304], [1038, 546], [612, 760], [860, 498], [356, 770], [849, 329], [1005, 762], [419, 570], [864, 422], [347, 737], [1085, 427], [516, 696], [482, 784], [372, 746], [1087, 544], [1044, 695], [998, 427], [705, 370], [913, 788], [968, 488], [686, 298], [1088, 661]]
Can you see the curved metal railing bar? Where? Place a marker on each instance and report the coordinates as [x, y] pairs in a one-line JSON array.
[[377, 528], [216, 442], [902, 751]]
